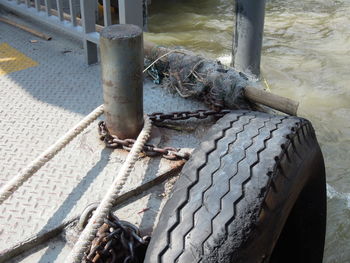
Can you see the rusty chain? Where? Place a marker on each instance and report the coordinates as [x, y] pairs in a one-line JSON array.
[[116, 241], [113, 141], [184, 115], [170, 153]]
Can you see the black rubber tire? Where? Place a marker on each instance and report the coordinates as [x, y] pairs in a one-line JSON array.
[[254, 191]]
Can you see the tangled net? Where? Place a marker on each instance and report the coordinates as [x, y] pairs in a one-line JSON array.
[[192, 76]]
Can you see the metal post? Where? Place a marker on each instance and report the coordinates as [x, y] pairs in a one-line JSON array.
[[73, 13], [88, 9], [48, 6], [247, 41], [37, 5], [107, 18], [121, 49], [131, 12], [59, 4]]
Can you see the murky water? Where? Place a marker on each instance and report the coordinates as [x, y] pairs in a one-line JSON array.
[[306, 57]]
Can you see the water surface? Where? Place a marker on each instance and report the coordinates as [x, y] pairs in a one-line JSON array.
[[306, 55]]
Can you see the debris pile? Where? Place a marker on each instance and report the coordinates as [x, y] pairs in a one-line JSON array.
[[196, 77]]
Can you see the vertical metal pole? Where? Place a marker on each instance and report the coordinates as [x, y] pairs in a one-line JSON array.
[[248, 36], [131, 12], [121, 49], [37, 5], [146, 3], [48, 6], [88, 9], [59, 4], [73, 13], [107, 12]]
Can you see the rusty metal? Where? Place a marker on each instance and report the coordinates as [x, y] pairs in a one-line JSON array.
[[122, 79], [171, 153], [119, 241], [116, 241], [184, 115], [113, 141]]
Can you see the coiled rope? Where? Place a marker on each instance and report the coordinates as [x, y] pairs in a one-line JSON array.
[[8, 189], [106, 204]]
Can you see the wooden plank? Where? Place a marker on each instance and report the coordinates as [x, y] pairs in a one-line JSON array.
[[271, 100], [25, 28]]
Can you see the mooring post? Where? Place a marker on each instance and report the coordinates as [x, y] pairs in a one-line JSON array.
[[121, 49], [248, 36]]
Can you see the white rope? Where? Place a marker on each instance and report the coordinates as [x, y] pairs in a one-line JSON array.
[[8, 189], [19, 179], [106, 204]]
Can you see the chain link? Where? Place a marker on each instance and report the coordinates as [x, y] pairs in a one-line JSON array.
[[116, 241], [120, 241], [113, 141], [170, 153], [184, 115]]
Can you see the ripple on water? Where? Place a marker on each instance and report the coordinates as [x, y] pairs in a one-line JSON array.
[[306, 57]]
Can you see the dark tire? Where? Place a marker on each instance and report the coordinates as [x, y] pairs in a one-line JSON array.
[[254, 191]]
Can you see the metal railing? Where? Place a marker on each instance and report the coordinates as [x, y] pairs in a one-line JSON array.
[[77, 17]]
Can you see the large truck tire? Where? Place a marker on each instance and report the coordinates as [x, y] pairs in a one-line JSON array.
[[254, 191]]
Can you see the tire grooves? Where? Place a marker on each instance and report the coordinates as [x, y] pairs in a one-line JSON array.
[[243, 184], [278, 164], [229, 190], [265, 146], [305, 137], [298, 135], [301, 130], [270, 173], [211, 183], [181, 206], [285, 150], [311, 131], [294, 148], [221, 157]]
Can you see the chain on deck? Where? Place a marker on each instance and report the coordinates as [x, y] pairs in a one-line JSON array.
[[37, 106]]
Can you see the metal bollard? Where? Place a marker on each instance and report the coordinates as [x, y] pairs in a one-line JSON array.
[[121, 49], [247, 41]]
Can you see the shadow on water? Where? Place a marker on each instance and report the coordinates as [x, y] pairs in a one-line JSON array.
[[306, 57]]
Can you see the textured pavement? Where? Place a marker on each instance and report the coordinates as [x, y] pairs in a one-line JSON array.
[[38, 104]]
